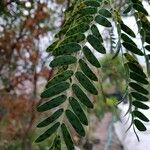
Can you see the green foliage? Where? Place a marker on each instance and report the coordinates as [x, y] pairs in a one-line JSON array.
[[72, 84]]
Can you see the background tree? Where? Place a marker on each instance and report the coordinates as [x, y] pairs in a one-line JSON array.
[[24, 26]]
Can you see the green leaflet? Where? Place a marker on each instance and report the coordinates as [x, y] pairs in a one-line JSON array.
[[48, 133], [96, 32], [147, 39], [132, 48], [51, 119], [68, 48], [77, 38], [96, 44], [147, 47], [59, 78], [139, 97], [140, 105], [81, 96], [138, 88], [139, 125], [92, 3], [90, 57], [56, 144], [88, 19], [135, 68], [140, 8], [138, 78], [63, 31], [127, 30], [104, 12], [145, 25], [52, 46], [128, 9], [141, 116], [55, 89], [78, 110], [102, 21], [131, 58], [67, 138], [136, 1], [86, 83], [87, 71], [63, 60], [148, 56], [52, 103], [75, 122], [88, 11], [80, 28], [127, 39]]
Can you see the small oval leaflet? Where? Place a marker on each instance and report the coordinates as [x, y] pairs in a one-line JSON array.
[[86, 83], [102, 21], [127, 30], [52, 103], [54, 90], [131, 58], [140, 8], [138, 78], [81, 96], [56, 143], [67, 138], [147, 47], [78, 110], [88, 11], [92, 3], [128, 9], [90, 57], [79, 37], [139, 97], [59, 78], [132, 48], [135, 68], [87, 71], [147, 39], [68, 48], [88, 19], [138, 88], [52, 46], [63, 60], [140, 105], [75, 122], [51, 119], [139, 125], [96, 32], [140, 115], [96, 44], [127, 39], [48, 133], [80, 28], [104, 12]]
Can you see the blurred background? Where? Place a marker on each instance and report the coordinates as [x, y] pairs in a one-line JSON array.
[[27, 28]]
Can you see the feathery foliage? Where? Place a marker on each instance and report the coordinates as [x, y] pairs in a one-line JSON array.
[[75, 63]]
